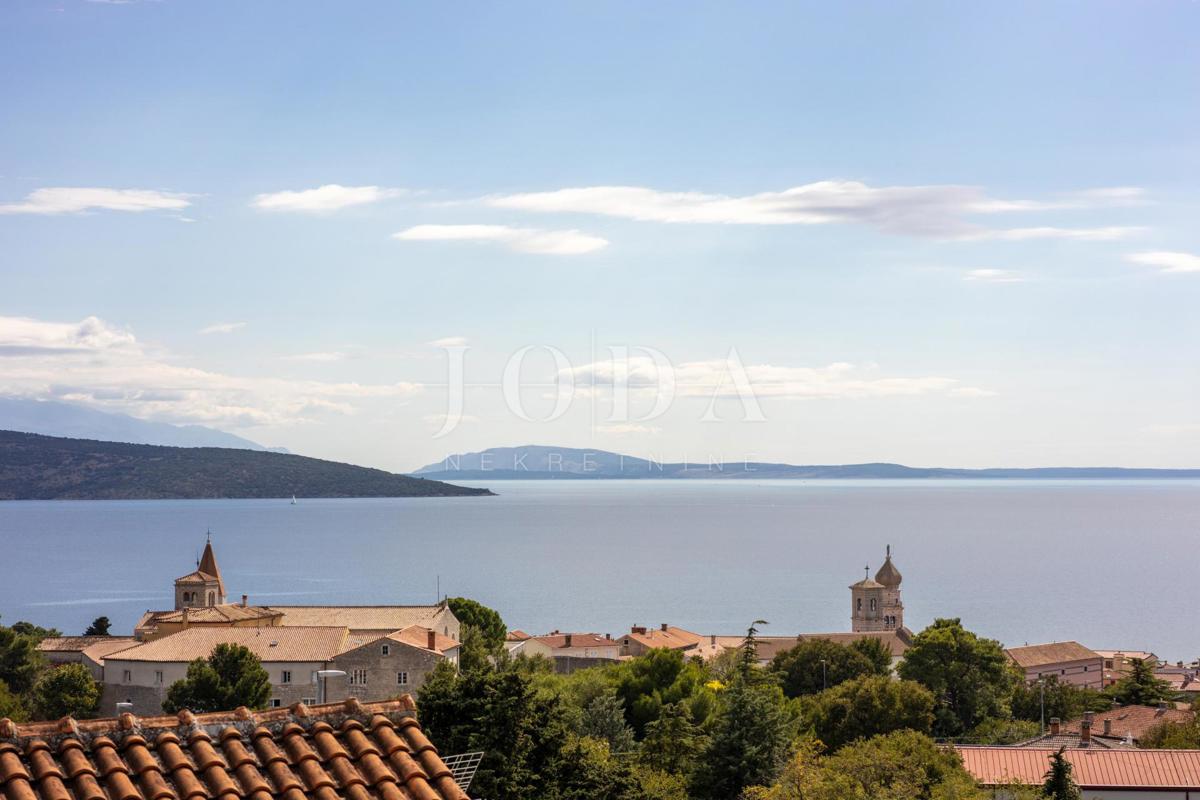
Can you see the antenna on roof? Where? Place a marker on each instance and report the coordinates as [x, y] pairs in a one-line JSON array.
[[439, 590]]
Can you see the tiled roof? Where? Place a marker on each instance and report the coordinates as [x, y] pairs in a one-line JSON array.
[[769, 646], [1072, 741], [1142, 654], [77, 644], [418, 636], [1132, 720], [349, 751], [673, 638], [517, 636], [1036, 655], [229, 612], [559, 640], [269, 644], [356, 618], [1091, 769], [199, 576], [102, 650]]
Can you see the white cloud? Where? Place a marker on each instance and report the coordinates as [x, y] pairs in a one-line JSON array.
[[522, 240], [937, 210], [714, 377], [449, 341], [1103, 234], [106, 367], [994, 276], [319, 356], [323, 199], [1168, 261], [74, 200], [222, 327]]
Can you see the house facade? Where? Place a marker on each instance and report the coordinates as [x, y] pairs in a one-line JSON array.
[[1070, 662]]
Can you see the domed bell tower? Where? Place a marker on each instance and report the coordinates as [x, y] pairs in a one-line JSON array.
[[875, 603]]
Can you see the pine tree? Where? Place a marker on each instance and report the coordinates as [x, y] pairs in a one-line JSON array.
[[1059, 784]]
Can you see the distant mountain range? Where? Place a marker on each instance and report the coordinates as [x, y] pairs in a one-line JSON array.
[[34, 467], [51, 418], [567, 463]]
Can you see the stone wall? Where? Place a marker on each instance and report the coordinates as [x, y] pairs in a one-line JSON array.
[[381, 670]]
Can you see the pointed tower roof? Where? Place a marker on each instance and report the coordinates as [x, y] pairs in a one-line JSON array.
[[888, 575], [208, 564]]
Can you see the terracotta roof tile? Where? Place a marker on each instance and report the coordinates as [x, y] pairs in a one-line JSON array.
[[1035, 655], [673, 638], [1091, 769], [1132, 721], [347, 751], [268, 643], [78, 644], [360, 618], [559, 640]]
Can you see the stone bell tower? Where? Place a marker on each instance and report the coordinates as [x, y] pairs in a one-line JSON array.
[[875, 604], [204, 587]]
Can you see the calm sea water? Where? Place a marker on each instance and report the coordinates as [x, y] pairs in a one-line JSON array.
[[1112, 564]]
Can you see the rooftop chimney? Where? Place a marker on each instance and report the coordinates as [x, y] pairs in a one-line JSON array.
[[245, 601], [1107, 726], [1162, 705], [432, 640], [663, 627], [638, 629], [1085, 728], [608, 636], [567, 640], [712, 639], [1055, 724]]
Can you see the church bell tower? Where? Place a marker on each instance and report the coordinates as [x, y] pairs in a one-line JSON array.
[[875, 604]]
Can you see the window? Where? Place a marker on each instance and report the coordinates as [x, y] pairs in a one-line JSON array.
[[308, 701], [127, 676], [402, 679], [285, 676], [860, 604], [275, 702], [872, 603], [158, 678], [387, 649], [358, 677]]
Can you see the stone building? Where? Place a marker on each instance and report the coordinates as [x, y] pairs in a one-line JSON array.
[[875, 605], [1070, 662], [204, 587]]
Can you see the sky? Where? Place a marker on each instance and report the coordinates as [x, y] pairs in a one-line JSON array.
[[935, 233]]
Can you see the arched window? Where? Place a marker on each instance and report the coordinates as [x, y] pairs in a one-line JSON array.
[[211, 599], [860, 604], [872, 603]]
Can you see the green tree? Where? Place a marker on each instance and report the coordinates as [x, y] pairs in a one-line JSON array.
[[674, 742], [69, 690], [877, 652], [751, 739], [474, 651], [814, 665], [604, 719], [655, 784], [1062, 700], [1140, 687], [485, 620], [522, 732], [868, 706], [1059, 784], [650, 682], [1172, 736], [35, 632], [20, 660], [969, 676], [903, 765], [231, 676], [586, 770], [99, 627], [998, 730], [11, 705]]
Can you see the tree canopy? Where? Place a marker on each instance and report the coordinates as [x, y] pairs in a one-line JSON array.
[[483, 619], [231, 676], [969, 676], [814, 665], [67, 690], [868, 706], [1140, 687], [99, 627]]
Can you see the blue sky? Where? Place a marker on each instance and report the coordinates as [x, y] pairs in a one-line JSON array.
[[935, 233]]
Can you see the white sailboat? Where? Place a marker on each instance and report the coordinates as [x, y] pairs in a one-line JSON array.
[[293, 499]]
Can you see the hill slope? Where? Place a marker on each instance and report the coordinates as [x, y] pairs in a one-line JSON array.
[[51, 418], [533, 462], [34, 467]]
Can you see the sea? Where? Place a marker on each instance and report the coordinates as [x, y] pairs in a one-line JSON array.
[[1112, 564]]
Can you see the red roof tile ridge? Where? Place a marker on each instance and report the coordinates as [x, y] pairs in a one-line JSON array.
[[211, 722]]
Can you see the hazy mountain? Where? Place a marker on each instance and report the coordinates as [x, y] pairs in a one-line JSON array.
[[51, 418], [545, 462], [34, 467]]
